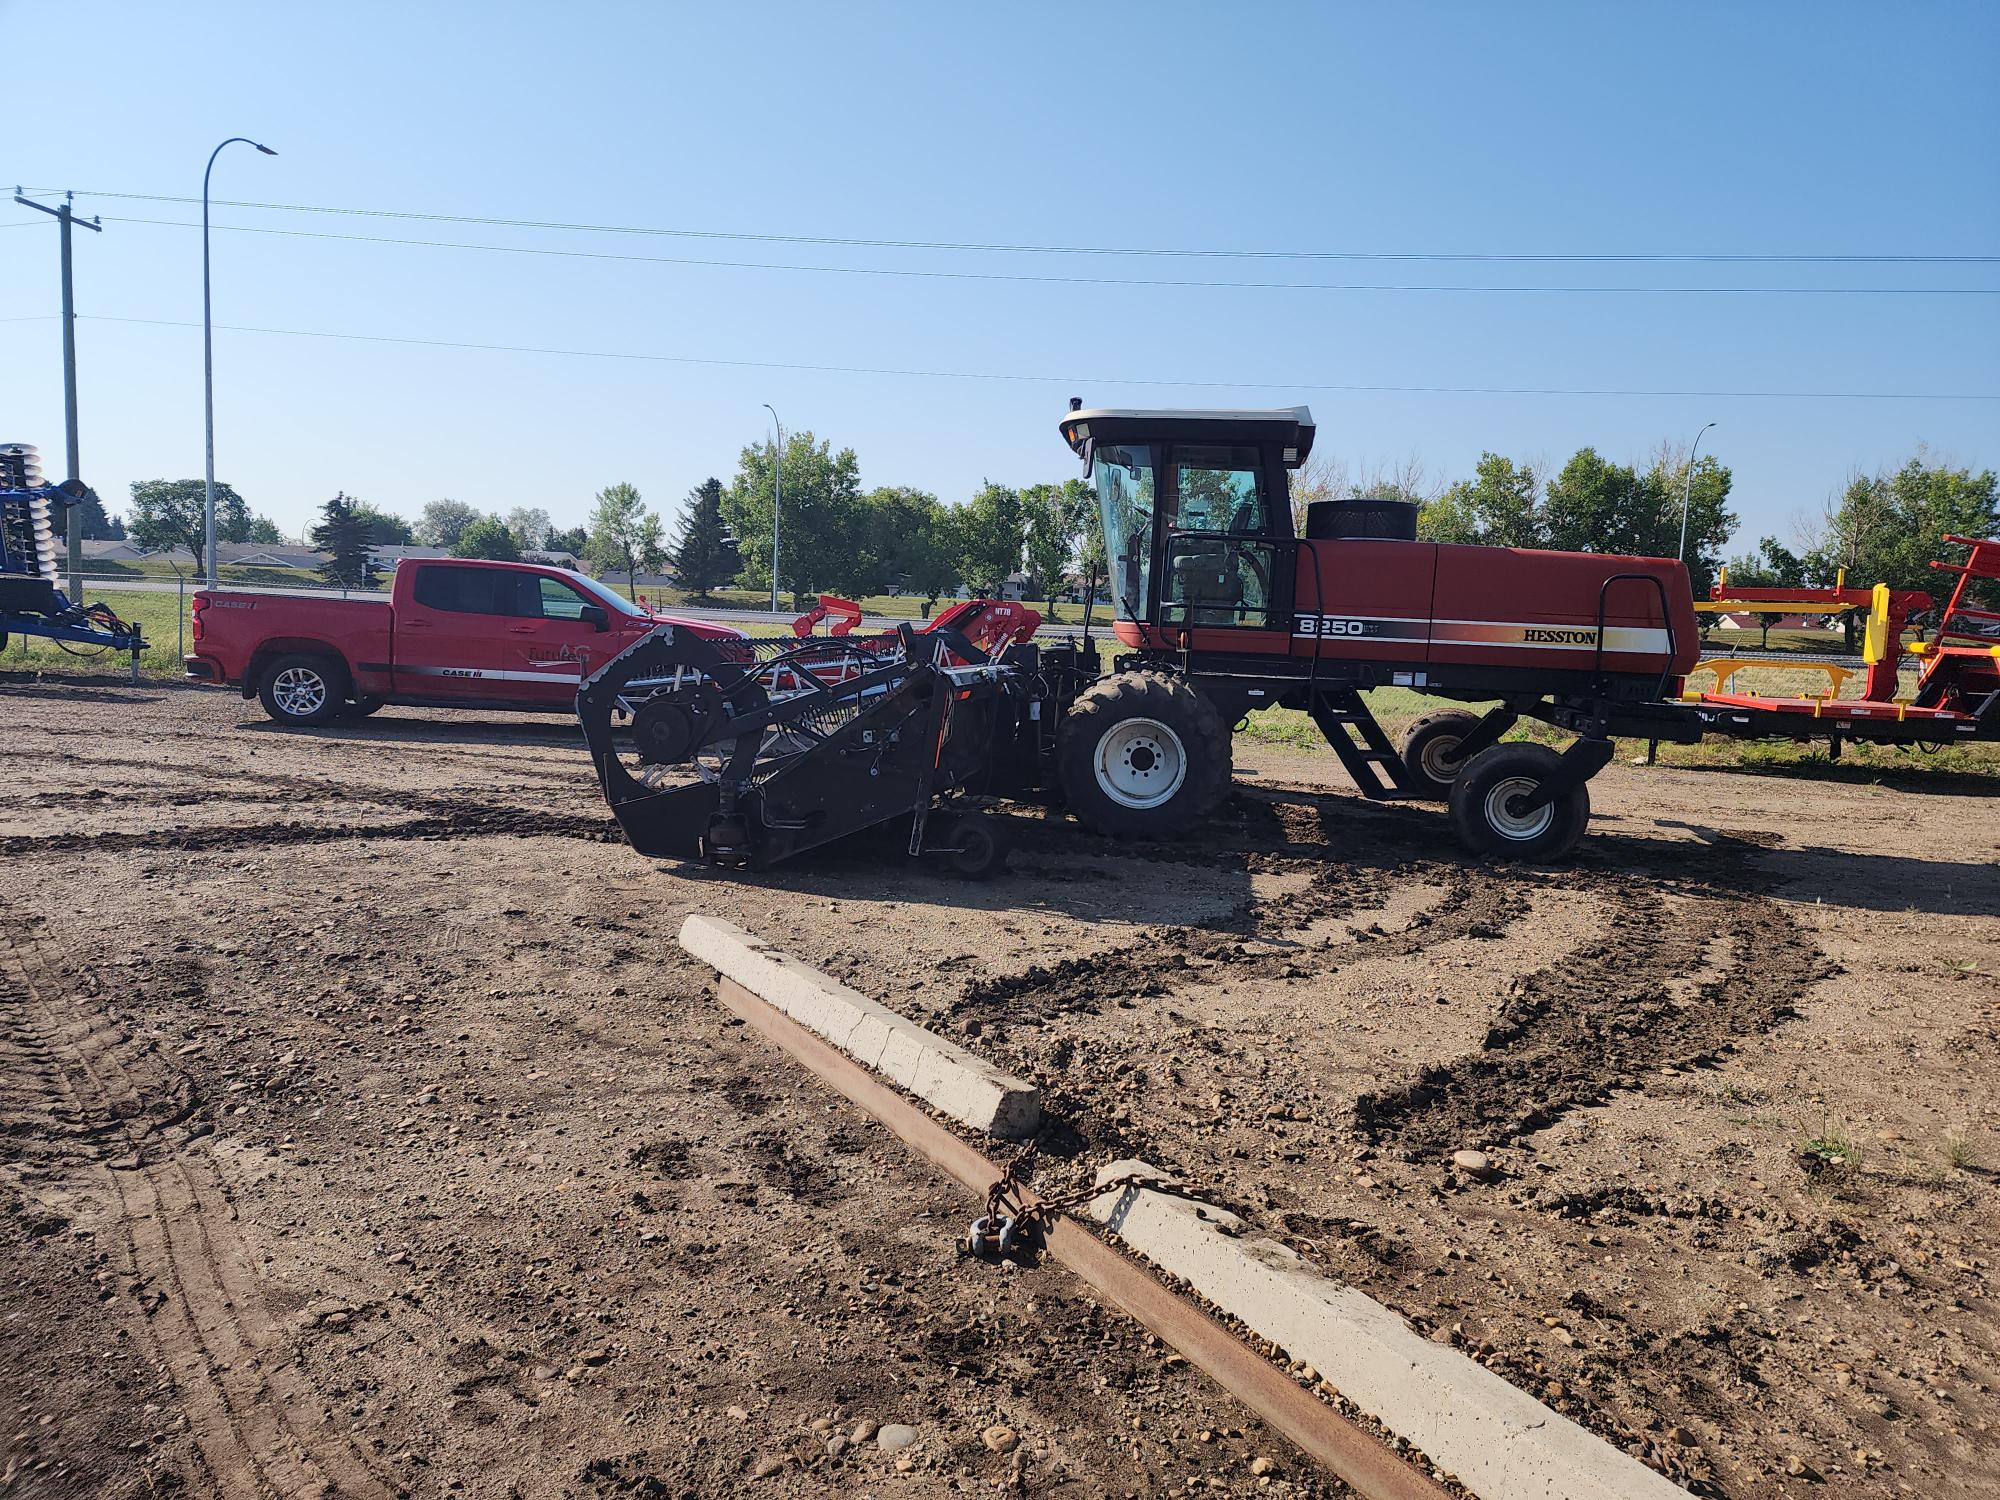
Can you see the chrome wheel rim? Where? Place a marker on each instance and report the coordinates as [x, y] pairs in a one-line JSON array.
[[1140, 763], [1440, 758], [1518, 826], [299, 691]]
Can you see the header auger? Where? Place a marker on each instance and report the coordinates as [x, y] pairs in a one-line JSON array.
[[1220, 610]]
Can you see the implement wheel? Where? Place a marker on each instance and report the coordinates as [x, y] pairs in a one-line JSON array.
[[1430, 752], [1487, 812], [1143, 755]]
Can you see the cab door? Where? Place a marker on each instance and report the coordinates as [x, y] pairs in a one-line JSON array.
[[1220, 569]]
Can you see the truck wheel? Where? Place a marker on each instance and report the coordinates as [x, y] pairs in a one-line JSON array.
[[361, 708], [972, 846], [302, 690], [1430, 752], [1487, 816], [1142, 755]]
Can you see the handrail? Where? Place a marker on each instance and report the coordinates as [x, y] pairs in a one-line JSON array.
[[1666, 617]]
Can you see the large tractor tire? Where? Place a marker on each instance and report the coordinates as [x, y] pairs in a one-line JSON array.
[[302, 690], [1143, 755], [1430, 752], [1487, 816]]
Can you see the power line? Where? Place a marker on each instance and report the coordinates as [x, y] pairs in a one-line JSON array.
[[1073, 381], [1134, 281], [1028, 249]]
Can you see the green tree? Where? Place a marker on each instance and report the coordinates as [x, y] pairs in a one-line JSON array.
[[97, 524], [1594, 505], [572, 541], [444, 521], [488, 538], [1887, 527], [822, 531], [1499, 507], [168, 513], [1771, 566], [1056, 516], [384, 528], [343, 535], [531, 527], [992, 530], [911, 543], [624, 535], [263, 531], [704, 549]]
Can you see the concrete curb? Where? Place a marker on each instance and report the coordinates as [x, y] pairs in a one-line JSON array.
[[965, 1087], [1499, 1442]]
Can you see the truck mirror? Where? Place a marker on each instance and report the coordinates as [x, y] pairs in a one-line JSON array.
[[594, 615]]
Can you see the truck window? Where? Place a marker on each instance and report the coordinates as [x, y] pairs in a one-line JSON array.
[[558, 601], [479, 591]]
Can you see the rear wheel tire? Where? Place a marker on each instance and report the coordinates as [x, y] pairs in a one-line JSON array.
[[303, 691], [1487, 816], [1143, 755], [1430, 752]]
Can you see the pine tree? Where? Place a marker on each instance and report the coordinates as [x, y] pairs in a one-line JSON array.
[[343, 534], [704, 551]]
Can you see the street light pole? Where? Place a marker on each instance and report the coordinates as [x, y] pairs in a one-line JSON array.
[[208, 359], [777, 496], [1687, 493]]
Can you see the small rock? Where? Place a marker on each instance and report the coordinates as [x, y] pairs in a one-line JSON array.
[[1473, 1164], [1261, 1465], [737, 1413], [836, 1445], [1000, 1439], [863, 1431], [821, 1424], [891, 1436], [1798, 1468], [767, 1466], [594, 1356]]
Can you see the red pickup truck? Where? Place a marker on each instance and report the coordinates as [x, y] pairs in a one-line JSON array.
[[451, 634]]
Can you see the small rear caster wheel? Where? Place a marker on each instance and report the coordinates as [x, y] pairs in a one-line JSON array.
[[971, 846]]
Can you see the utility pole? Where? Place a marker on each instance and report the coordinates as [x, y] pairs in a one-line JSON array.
[[64, 220], [1687, 493]]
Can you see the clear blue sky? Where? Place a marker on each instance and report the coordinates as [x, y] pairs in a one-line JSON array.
[[1539, 129]]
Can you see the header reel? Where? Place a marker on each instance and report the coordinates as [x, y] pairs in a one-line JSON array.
[[743, 753]]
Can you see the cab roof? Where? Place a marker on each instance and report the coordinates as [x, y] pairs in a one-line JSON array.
[[1291, 426]]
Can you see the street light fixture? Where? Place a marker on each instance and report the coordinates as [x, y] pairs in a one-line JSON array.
[[1687, 493], [777, 495], [208, 358]]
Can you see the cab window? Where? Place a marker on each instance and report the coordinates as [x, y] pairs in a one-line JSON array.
[[1221, 574]]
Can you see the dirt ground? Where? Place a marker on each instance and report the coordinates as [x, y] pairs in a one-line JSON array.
[[363, 1131]]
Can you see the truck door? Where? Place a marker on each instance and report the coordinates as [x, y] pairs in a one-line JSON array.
[[475, 633], [556, 644]]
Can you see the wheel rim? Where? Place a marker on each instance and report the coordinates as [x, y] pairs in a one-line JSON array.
[[1440, 758], [299, 691], [1140, 763], [1519, 826]]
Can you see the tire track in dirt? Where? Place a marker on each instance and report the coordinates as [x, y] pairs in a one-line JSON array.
[[454, 820], [1567, 1036], [246, 1402]]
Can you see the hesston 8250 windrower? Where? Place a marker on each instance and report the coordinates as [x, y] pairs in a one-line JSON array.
[[746, 752]]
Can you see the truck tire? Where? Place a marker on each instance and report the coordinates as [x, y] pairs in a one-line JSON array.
[[1486, 821], [303, 690], [1430, 761], [1142, 755], [361, 708]]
